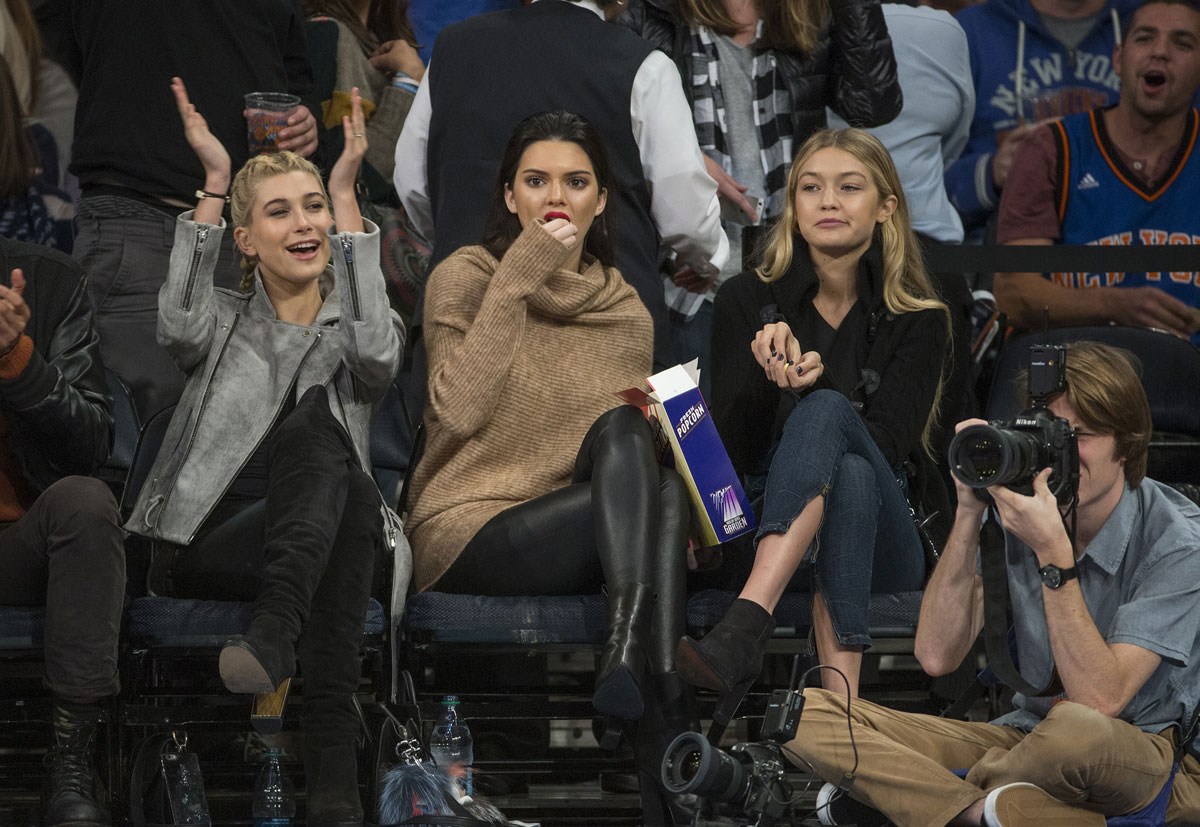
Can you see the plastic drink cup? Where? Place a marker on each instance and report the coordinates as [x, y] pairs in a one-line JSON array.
[[266, 114]]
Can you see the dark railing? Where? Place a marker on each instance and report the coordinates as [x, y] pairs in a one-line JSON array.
[[1063, 259]]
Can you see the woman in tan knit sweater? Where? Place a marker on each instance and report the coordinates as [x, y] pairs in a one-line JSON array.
[[534, 479]]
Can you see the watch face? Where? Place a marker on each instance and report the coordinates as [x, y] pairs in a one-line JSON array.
[[1052, 576]]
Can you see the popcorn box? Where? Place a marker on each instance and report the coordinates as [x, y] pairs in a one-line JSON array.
[[720, 510]]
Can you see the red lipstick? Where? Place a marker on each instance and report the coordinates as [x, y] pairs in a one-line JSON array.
[[550, 216]]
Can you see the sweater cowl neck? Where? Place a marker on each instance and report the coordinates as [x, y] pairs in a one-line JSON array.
[[567, 294]]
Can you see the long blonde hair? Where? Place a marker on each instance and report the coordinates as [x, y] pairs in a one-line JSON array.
[[907, 286], [788, 25], [245, 186]]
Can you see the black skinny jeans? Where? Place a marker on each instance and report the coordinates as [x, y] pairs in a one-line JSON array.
[[67, 553], [305, 555], [623, 520]]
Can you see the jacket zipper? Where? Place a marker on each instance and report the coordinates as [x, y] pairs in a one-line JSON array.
[[199, 412], [348, 255], [201, 238], [246, 461]]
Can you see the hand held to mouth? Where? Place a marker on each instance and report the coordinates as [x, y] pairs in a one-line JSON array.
[[562, 229]]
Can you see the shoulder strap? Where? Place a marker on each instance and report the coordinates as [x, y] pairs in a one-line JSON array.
[[995, 607]]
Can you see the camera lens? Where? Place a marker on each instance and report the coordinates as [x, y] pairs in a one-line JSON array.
[[693, 765], [984, 455]]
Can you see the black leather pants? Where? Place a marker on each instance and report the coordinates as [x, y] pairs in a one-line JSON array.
[[624, 520]]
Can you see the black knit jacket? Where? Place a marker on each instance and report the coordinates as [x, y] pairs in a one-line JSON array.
[[852, 70], [905, 354], [59, 409]]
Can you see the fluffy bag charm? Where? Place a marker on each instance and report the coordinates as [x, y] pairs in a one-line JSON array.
[[413, 788]]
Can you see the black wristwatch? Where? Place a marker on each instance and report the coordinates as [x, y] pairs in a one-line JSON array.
[[1053, 577]]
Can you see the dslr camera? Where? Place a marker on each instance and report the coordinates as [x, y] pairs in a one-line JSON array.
[[1012, 453], [748, 780]]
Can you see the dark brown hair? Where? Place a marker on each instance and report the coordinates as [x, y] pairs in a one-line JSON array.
[[788, 25], [502, 227], [27, 31], [18, 155], [386, 20]]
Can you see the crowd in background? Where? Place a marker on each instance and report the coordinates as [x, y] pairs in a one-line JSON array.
[[750, 183]]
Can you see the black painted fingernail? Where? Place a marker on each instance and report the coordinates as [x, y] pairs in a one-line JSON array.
[[799, 369], [772, 350], [780, 357]]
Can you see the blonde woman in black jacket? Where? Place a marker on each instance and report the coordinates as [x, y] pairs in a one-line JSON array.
[[827, 380]]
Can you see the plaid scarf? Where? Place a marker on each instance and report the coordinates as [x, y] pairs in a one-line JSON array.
[[772, 112]]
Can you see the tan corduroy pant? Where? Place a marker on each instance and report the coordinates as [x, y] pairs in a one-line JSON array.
[[1077, 755]]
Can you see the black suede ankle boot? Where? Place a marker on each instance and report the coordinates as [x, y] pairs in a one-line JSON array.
[[332, 781], [623, 662], [70, 796], [729, 658]]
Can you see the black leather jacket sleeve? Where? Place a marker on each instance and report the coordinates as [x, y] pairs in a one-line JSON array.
[[862, 83], [59, 408]]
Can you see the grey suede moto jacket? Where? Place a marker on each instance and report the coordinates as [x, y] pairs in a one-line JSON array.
[[241, 362]]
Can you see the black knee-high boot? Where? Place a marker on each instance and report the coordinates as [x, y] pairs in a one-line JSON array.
[[670, 709], [617, 456], [669, 712], [329, 658], [310, 461]]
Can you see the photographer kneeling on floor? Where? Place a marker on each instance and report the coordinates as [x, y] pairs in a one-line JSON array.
[[1113, 615]]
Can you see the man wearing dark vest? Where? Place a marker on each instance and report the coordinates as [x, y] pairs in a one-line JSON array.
[[489, 72], [1123, 175]]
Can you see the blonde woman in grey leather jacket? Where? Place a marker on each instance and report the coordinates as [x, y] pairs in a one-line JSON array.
[[261, 490]]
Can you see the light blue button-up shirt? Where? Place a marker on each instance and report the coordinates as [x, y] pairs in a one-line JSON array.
[[1140, 577]]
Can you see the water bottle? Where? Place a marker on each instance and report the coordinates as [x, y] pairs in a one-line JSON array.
[[274, 796], [450, 744]]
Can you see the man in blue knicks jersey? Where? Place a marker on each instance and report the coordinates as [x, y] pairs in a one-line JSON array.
[[1127, 174]]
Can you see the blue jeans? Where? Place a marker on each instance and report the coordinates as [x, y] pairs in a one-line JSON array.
[[866, 541]]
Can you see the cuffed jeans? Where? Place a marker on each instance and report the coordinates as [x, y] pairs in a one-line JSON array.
[[126, 260], [867, 542], [1076, 754], [67, 553]]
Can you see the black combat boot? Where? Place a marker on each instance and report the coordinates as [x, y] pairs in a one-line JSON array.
[[70, 796]]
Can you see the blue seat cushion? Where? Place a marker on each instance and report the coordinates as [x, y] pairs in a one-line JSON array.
[[170, 621], [21, 627], [889, 615], [469, 618]]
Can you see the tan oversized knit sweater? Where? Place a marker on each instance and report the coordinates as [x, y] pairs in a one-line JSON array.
[[523, 358]]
